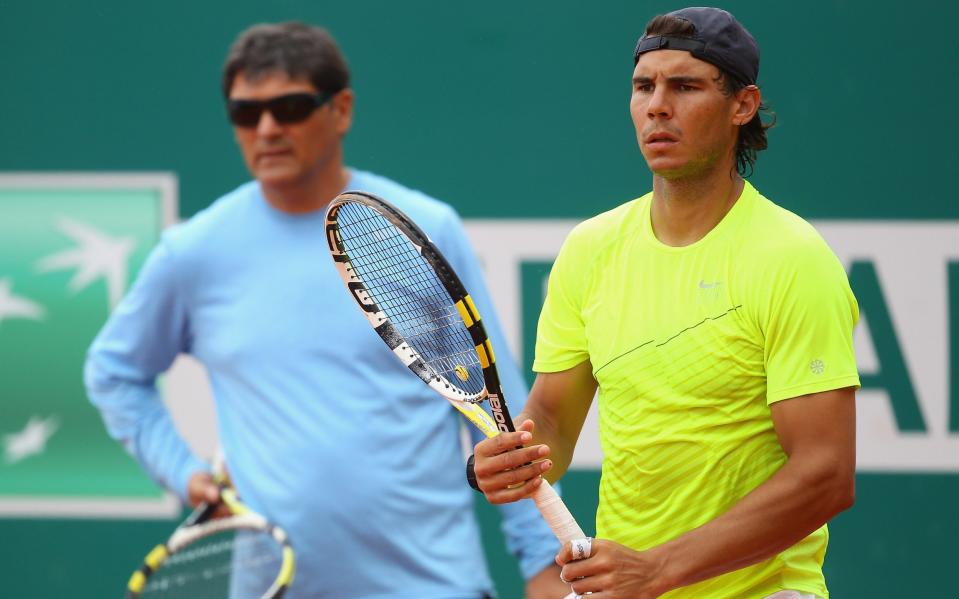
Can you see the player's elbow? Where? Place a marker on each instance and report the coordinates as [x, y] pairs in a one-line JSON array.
[[848, 497], [844, 494], [828, 483], [836, 485]]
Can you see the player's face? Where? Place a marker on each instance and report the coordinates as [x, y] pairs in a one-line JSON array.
[[281, 154], [684, 123]]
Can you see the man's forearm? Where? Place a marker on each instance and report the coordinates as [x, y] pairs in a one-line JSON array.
[[548, 433], [558, 403], [135, 416], [801, 497]]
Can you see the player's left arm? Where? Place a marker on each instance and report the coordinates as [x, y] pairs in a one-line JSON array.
[[817, 432]]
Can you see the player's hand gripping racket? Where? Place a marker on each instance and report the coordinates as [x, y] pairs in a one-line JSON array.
[[239, 556], [413, 299]]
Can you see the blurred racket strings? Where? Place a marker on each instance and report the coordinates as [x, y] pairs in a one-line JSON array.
[[411, 296], [238, 564]]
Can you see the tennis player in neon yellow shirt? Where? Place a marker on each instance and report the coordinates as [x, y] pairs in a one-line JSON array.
[[717, 328]]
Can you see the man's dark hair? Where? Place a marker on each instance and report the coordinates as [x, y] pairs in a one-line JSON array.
[[752, 135], [296, 49]]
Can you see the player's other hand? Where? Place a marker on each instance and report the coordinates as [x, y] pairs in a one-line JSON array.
[[547, 585], [203, 488], [615, 571], [506, 469]]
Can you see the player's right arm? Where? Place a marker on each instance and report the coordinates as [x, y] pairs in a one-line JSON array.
[[553, 417], [509, 466], [140, 340]]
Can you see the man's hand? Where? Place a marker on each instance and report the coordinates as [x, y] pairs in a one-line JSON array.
[[506, 470], [615, 571], [202, 488], [547, 585]]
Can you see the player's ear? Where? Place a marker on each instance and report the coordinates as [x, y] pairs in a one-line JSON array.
[[747, 104], [342, 104]]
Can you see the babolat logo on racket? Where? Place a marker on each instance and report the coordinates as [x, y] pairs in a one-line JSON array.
[[496, 404], [461, 373]]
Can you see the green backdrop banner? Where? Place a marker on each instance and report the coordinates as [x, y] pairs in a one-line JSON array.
[[69, 245], [515, 113]]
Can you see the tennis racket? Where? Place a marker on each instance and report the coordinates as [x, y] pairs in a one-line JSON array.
[[418, 306], [239, 556]]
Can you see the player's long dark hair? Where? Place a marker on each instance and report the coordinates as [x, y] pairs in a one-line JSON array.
[[752, 135]]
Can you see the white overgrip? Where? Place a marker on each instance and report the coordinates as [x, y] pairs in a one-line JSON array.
[[556, 513]]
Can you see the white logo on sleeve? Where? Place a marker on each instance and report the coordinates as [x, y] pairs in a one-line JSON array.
[[817, 366]]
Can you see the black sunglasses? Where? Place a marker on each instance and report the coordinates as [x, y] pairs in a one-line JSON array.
[[286, 110]]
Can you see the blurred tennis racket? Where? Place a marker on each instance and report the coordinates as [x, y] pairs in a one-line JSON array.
[[237, 556], [413, 299]]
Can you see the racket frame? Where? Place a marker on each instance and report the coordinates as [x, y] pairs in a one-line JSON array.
[[200, 524], [551, 506]]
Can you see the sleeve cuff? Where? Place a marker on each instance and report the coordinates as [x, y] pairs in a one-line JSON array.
[[547, 366], [839, 382]]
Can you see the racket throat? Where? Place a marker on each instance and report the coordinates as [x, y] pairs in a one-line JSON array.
[[498, 408]]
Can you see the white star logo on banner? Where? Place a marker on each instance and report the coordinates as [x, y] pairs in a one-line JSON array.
[[96, 255], [31, 440], [13, 306]]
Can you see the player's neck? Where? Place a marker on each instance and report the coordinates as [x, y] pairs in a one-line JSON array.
[[311, 193], [684, 210]]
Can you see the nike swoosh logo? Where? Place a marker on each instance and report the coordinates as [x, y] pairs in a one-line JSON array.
[[704, 285]]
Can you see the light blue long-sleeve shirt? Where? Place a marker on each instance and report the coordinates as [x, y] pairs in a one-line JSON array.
[[323, 430]]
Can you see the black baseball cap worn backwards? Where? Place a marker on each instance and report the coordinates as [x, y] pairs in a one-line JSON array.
[[718, 39]]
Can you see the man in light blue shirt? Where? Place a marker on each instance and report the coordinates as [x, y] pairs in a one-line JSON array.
[[323, 430]]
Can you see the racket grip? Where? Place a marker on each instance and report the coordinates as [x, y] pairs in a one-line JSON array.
[[556, 513]]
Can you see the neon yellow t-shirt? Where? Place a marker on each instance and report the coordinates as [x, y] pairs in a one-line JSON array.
[[689, 346]]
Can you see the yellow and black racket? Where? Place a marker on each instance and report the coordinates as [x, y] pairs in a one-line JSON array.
[[237, 556], [416, 303]]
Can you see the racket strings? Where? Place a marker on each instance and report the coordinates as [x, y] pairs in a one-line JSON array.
[[378, 264], [409, 293], [235, 564]]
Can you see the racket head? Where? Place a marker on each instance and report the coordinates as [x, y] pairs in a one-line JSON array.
[[414, 300], [416, 303], [241, 556]]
